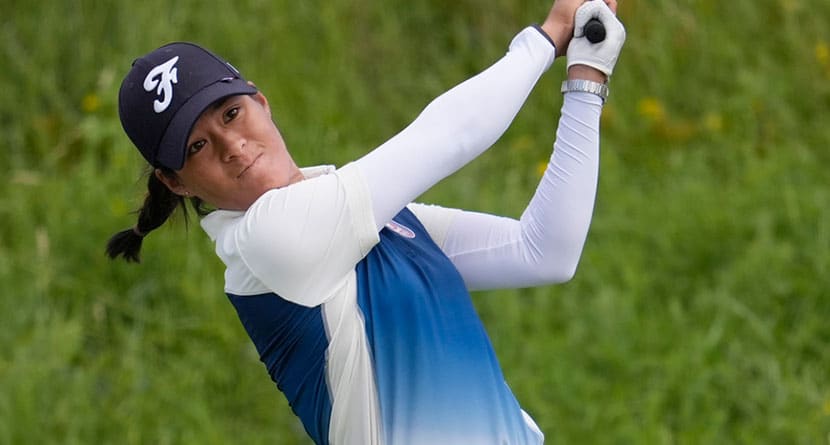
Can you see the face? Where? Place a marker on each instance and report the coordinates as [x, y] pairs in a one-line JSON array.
[[235, 153]]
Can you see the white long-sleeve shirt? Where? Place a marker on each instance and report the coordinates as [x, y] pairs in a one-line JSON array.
[[357, 300]]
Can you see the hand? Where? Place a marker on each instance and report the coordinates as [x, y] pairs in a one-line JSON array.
[[601, 56], [559, 25]]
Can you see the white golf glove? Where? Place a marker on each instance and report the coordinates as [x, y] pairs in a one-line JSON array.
[[601, 55]]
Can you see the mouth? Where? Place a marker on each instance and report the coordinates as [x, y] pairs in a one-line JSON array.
[[244, 170]]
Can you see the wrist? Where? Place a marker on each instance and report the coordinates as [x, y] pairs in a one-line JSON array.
[[586, 86], [559, 35], [586, 72]]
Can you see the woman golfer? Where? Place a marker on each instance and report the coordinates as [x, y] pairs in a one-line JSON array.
[[356, 298]]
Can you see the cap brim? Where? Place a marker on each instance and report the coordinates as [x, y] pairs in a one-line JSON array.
[[172, 149]]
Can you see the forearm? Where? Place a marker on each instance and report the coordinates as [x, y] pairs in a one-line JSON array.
[[455, 128], [545, 245], [558, 217]]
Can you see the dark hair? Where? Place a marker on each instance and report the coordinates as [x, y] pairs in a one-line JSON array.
[[159, 205]]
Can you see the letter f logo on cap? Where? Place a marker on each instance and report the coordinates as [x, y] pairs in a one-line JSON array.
[[162, 76]]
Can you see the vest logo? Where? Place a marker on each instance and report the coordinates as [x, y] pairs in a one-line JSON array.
[[161, 78], [400, 229]]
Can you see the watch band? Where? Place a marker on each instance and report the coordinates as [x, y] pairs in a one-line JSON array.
[[587, 86]]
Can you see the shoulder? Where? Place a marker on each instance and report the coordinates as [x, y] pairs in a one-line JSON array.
[[300, 239]]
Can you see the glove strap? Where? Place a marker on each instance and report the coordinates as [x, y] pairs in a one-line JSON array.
[[587, 86]]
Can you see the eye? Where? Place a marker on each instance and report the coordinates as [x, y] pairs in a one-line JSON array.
[[195, 147], [231, 113]]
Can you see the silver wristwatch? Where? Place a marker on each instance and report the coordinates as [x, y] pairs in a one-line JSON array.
[[588, 86]]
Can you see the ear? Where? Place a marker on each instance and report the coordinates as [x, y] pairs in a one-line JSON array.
[[171, 182], [260, 98]]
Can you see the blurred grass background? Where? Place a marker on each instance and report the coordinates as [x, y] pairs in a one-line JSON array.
[[698, 314]]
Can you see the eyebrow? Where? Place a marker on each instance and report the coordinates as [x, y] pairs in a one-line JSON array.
[[218, 104]]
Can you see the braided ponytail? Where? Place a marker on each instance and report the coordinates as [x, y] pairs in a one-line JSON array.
[[159, 204]]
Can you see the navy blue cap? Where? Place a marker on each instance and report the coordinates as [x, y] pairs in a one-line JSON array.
[[164, 94]]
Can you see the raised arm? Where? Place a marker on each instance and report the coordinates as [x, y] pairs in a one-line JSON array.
[[455, 128], [545, 245], [291, 235]]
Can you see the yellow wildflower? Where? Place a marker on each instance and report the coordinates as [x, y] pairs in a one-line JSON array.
[[90, 103], [541, 166], [823, 53], [713, 122], [652, 109]]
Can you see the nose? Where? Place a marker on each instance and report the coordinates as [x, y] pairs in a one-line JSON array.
[[233, 145]]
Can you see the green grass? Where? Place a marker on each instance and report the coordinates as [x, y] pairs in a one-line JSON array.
[[698, 313]]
